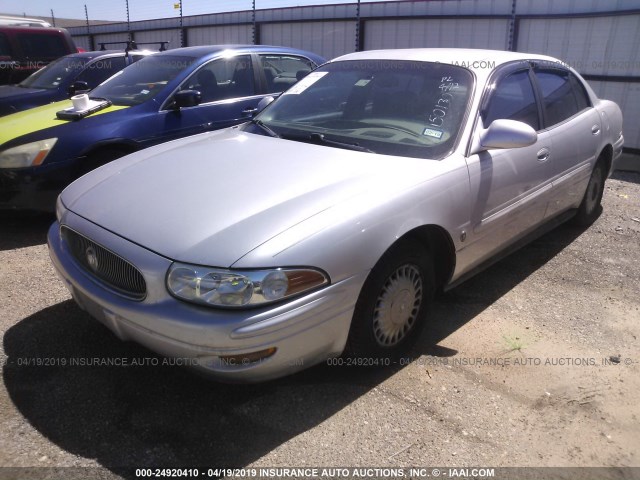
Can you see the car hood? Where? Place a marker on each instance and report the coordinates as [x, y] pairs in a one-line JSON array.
[[39, 118], [211, 198], [7, 91], [11, 96]]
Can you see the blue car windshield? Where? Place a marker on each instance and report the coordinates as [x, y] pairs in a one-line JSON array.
[[57, 73], [142, 80], [391, 107]]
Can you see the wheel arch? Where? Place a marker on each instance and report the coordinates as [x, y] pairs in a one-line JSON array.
[[98, 154], [440, 246], [123, 144], [606, 156]]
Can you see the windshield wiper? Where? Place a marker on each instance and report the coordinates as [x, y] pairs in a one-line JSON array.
[[264, 127], [320, 138]]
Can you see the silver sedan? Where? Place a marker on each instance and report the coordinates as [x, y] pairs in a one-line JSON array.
[[324, 226]]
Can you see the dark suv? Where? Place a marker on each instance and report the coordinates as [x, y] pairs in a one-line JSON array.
[[23, 50]]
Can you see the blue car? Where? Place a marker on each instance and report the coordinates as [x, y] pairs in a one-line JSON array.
[[161, 97], [65, 77]]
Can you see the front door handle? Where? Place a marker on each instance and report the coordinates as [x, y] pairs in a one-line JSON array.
[[595, 129], [543, 154], [249, 111]]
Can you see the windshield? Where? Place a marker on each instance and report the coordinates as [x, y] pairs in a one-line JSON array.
[[56, 73], [143, 80], [391, 107]]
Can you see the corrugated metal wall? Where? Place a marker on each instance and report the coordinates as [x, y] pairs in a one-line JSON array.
[[82, 41], [172, 36], [111, 37], [329, 39], [627, 96], [592, 45], [572, 7], [463, 33], [599, 46], [219, 35], [600, 38]]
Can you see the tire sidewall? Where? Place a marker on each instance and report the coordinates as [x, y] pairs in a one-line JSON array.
[[362, 341], [597, 175], [588, 211]]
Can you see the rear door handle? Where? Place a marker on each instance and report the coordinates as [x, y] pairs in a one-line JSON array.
[[543, 154], [595, 129]]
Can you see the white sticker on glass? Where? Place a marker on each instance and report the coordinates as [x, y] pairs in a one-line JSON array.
[[305, 83], [430, 132]]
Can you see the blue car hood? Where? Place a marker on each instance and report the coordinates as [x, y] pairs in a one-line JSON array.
[[13, 98]]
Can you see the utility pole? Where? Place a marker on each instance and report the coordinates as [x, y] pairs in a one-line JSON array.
[[86, 17], [512, 27], [253, 20], [128, 20], [358, 25], [181, 27]]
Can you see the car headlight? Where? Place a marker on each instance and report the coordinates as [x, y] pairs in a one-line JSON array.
[[231, 288], [27, 155]]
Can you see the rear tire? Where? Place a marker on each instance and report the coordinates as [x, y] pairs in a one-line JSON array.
[[590, 208], [392, 307]]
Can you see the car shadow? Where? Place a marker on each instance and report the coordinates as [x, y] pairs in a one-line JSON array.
[[21, 229], [626, 176], [454, 308], [155, 415]]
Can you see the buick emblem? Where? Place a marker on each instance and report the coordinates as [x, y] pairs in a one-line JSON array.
[[92, 258]]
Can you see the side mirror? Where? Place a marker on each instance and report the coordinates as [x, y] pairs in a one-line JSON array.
[[78, 87], [504, 133], [187, 98], [264, 103]]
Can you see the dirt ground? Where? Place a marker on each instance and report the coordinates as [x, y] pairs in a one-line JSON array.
[[534, 362]]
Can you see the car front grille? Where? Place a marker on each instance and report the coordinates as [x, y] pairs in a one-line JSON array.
[[112, 270]]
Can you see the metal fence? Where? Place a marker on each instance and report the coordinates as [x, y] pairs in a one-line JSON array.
[[599, 38]]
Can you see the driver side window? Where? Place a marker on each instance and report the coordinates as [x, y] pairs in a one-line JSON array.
[[513, 99], [222, 79]]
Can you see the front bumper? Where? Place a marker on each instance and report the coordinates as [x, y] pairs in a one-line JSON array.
[[35, 188], [305, 331]]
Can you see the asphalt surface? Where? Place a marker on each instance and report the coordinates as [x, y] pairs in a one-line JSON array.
[[533, 362]]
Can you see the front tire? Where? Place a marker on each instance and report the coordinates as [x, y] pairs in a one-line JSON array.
[[392, 307], [591, 207]]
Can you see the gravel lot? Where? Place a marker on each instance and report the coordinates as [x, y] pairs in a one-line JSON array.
[[534, 362]]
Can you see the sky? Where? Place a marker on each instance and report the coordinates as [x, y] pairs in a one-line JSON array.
[[143, 9]]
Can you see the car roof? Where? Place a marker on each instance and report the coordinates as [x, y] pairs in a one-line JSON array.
[[6, 20], [36, 30], [444, 55], [200, 51], [481, 61], [101, 53]]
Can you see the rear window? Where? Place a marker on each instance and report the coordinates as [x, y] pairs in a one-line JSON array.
[[35, 45], [56, 73], [562, 95]]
